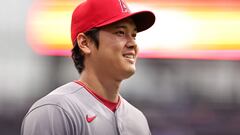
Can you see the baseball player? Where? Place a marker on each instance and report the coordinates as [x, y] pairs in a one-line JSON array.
[[103, 35]]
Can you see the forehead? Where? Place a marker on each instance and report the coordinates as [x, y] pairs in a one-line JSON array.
[[127, 23]]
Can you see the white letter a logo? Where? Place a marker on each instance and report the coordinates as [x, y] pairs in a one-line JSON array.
[[124, 6]]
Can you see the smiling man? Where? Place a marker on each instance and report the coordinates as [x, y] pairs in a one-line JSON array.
[[104, 53]]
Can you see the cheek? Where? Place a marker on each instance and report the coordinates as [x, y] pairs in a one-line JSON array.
[[114, 46], [111, 45], [137, 50]]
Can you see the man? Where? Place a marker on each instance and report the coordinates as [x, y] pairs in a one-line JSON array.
[[104, 53]]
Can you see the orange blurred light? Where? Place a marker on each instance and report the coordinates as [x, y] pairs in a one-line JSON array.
[[177, 33], [193, 31]]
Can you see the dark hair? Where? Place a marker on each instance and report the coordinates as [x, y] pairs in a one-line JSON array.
[[77, 54]]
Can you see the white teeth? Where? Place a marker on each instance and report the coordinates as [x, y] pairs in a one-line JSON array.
[[129, 56]]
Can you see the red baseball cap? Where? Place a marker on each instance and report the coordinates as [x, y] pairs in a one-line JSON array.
[[97, 13]]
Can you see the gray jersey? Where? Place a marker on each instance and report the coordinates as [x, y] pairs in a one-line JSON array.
[[72, 110]]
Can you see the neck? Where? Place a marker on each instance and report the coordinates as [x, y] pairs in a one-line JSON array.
[[103, 86]]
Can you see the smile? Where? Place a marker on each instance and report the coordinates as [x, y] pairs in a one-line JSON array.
[[130, 57]]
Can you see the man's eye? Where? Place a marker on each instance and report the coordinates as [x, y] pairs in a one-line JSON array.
[[120, 33], [134, 36]]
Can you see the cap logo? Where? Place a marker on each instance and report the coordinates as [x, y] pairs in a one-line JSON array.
[[124, 6]]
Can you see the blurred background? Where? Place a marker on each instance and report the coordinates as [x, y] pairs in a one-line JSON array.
[[188, 73]]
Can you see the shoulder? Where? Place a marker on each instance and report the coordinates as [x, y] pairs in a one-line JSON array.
[[130, 108], [56, 109], [132, 111], [134, 119], [48, 120], [62, 99], [65, 97], [58, 97]]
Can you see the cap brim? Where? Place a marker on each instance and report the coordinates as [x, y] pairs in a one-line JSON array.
[[143, 20]]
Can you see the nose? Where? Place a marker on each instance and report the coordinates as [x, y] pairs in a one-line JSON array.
[[131, 44]]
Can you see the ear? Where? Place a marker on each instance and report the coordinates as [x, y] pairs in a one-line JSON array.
[[83, 43]]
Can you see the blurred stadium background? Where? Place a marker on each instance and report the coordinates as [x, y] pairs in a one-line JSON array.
[[186, 85]]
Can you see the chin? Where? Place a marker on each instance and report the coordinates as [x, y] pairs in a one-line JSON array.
[[129, 72]]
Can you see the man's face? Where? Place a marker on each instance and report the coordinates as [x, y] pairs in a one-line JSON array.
[[117, 52]]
